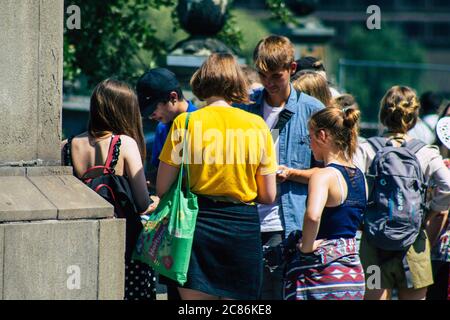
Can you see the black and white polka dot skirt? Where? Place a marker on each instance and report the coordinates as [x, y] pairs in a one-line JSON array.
[[140, 281]]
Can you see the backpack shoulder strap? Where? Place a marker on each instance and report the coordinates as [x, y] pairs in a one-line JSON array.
[[283, 118], [68, 152], [377, 143], [113, 153], [415, 145], [285, 115]]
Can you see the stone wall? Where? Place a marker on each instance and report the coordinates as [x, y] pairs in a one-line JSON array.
[[58, 238], [52, 229], [31, 61]]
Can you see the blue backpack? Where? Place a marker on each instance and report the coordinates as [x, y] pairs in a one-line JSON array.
[[395, 212]]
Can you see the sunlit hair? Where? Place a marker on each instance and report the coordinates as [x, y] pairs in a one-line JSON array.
[[342, 125], [315, 85], [399, 109], [221, 76], [274, 53], [251, 75], [114, 108], [344, 100]]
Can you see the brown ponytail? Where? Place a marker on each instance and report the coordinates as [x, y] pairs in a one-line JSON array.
[[341, 124]]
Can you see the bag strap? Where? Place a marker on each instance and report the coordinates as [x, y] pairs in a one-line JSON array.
[[111, 153], [183, 161], [414, 145], [283, 118], [68, 152], [285, 115], [377, 143]]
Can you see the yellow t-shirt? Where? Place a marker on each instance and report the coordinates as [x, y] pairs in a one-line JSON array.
[[228, 148]]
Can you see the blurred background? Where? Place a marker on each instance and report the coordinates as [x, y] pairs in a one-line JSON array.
[[124, 38]]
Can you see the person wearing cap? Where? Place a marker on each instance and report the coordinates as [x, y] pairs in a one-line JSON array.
[[306, 64], [161, 99]]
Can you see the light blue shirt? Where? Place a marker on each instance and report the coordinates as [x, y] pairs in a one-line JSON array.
[[294, 152]]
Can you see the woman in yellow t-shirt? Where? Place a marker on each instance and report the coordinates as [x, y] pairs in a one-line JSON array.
[[232, 165]]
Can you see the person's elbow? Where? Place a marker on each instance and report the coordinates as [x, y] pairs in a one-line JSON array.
[[267, 189], [312, 217], [267, 198]]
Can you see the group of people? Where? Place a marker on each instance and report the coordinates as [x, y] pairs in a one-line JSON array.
[[267, 161]]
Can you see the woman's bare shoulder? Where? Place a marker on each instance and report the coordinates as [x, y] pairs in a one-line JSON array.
[[127, 141], [80, 140], [323, 175]]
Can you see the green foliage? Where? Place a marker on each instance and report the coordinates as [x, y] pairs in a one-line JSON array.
[[252, 30], [123, 38], [70, 70], [280, 11], [368, 84], [231, 34], [168, 28], [111, 39]]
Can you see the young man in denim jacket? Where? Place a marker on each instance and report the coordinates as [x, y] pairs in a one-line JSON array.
[[286, 112]]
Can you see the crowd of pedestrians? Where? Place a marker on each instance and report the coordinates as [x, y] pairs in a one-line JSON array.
[[286, 185]]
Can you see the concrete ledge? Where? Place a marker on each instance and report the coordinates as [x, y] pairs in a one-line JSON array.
[[72, 198], [51, 260], [49, 171], [111, 276], [11, 171], [20, 200]]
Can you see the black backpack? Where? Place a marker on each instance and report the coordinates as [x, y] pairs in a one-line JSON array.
[[114, 189]]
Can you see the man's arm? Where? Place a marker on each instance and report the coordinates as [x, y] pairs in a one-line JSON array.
[[296, 175], [435, 223], [299, 175]]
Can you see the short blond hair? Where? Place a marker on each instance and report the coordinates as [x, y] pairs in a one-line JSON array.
[[273, 53], [399, 109], [315, 85], [221, 76]]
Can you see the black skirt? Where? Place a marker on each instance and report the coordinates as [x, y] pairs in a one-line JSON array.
[[226, 259]]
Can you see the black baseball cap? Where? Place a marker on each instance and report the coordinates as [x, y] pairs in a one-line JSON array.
[[153, 87], [309, 63]]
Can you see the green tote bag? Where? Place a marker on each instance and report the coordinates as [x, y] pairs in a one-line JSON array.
[[165, 243]]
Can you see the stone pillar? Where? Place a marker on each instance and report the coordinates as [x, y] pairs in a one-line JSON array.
[[58, 238]]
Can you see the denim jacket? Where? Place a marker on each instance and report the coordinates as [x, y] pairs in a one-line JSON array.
[[294, 153]]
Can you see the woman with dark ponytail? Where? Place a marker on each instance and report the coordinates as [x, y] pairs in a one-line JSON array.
[[327, 265]]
